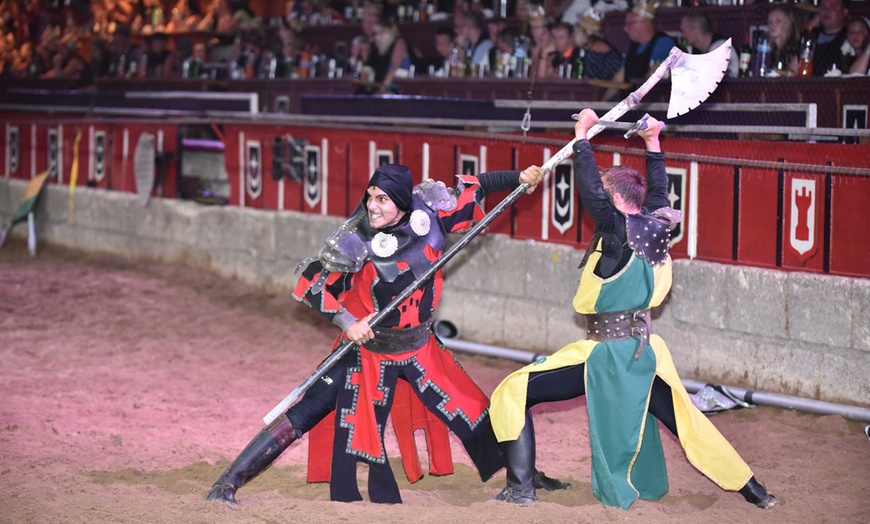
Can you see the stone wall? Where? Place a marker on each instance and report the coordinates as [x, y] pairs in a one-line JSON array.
[[793, 333]]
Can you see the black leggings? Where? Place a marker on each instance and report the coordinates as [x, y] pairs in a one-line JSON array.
[[566, 383]]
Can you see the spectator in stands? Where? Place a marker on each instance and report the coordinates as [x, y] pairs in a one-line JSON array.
[[288, 58], [388, 57], [782, 29], [227, 16], [542, 40], [194, 66], [829, 34], [648, 46], [152, 18], [562, 61], [5, 58], [318, 12], [370, 18], [43, 53], [20, 60], [69, 62], [698, 32], [503, 64], [471, 36], [601, 60], [185, 17], [360, 49], [858, 40], [439, 64], [494, 26], [572, 10], [121, 53], [160, 61]]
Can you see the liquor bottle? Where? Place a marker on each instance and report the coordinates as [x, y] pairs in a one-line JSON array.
[[469, 60], [745, 56], [808, 47], [580, 66], [456, 67]]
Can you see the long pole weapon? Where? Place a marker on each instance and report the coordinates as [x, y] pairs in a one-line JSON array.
[[703, 66]]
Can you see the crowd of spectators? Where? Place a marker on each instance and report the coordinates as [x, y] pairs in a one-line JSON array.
[[87, 39]]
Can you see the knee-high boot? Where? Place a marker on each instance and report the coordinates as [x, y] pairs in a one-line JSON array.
[[257, 455], [755, 493], [520, 457]]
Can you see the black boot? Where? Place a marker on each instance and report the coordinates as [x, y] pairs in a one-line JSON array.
[[542, 481], [754, 493], [257, 455], [520, 456]]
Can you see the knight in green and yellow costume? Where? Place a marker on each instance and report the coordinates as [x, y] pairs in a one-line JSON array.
[[625, 372]]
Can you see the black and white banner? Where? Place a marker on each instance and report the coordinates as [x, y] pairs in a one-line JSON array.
[[254, 169], [312, 184], [562, 179]]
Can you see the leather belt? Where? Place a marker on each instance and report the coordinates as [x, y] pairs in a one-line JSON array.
[[388, 341], [618, 325]]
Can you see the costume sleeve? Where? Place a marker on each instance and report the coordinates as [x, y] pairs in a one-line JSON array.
[[656, 182], [467, 210], [495, 181], [592, 195], [326, 301]]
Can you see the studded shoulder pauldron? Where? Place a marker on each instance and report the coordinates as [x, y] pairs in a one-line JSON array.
[[649, 235]]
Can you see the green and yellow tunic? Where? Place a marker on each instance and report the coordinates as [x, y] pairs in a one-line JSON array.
[[627, 458]]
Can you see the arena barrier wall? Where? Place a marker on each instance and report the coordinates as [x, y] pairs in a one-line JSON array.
[[739, 206], [794, 333]]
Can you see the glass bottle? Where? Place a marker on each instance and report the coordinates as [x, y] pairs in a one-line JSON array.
[[580, 66], [762, 55], [745, 57], [808, 47]]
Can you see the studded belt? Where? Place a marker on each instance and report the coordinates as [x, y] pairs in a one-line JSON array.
[[389, 341], [618, 325]]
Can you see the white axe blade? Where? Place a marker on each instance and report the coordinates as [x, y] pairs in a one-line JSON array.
[[695, 77]]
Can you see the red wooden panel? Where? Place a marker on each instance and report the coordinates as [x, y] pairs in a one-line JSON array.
[[757, 217], [338, 201], [26, 147], [715, 212], [850, 236], [233, 139]]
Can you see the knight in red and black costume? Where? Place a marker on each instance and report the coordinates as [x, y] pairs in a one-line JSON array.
[[394, 235]]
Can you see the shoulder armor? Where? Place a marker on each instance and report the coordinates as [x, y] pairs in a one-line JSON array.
[[344, 251], [435, 195], [649, 236]]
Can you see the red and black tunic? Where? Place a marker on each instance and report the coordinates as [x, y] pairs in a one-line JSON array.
[[365, 397]]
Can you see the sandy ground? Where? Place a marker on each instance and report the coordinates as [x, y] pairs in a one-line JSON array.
[[127, 387]]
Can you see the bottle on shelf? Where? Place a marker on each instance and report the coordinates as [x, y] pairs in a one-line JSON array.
[[745, 57], [580, 66], [762, 56], [469, 60], [807, 50], [457, 68]]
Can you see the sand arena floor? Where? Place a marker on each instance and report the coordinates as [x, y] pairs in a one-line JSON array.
[[128, 386]]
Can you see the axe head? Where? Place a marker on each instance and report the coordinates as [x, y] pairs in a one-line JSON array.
[[695, 77]]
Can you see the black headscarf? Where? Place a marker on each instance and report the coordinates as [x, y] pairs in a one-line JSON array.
[[394, 180]]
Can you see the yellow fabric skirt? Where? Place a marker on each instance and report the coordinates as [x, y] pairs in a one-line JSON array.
[[704, 446]]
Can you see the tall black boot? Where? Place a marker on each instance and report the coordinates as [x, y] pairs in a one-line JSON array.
[[520, 457], [755, 493], [257, 455]]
